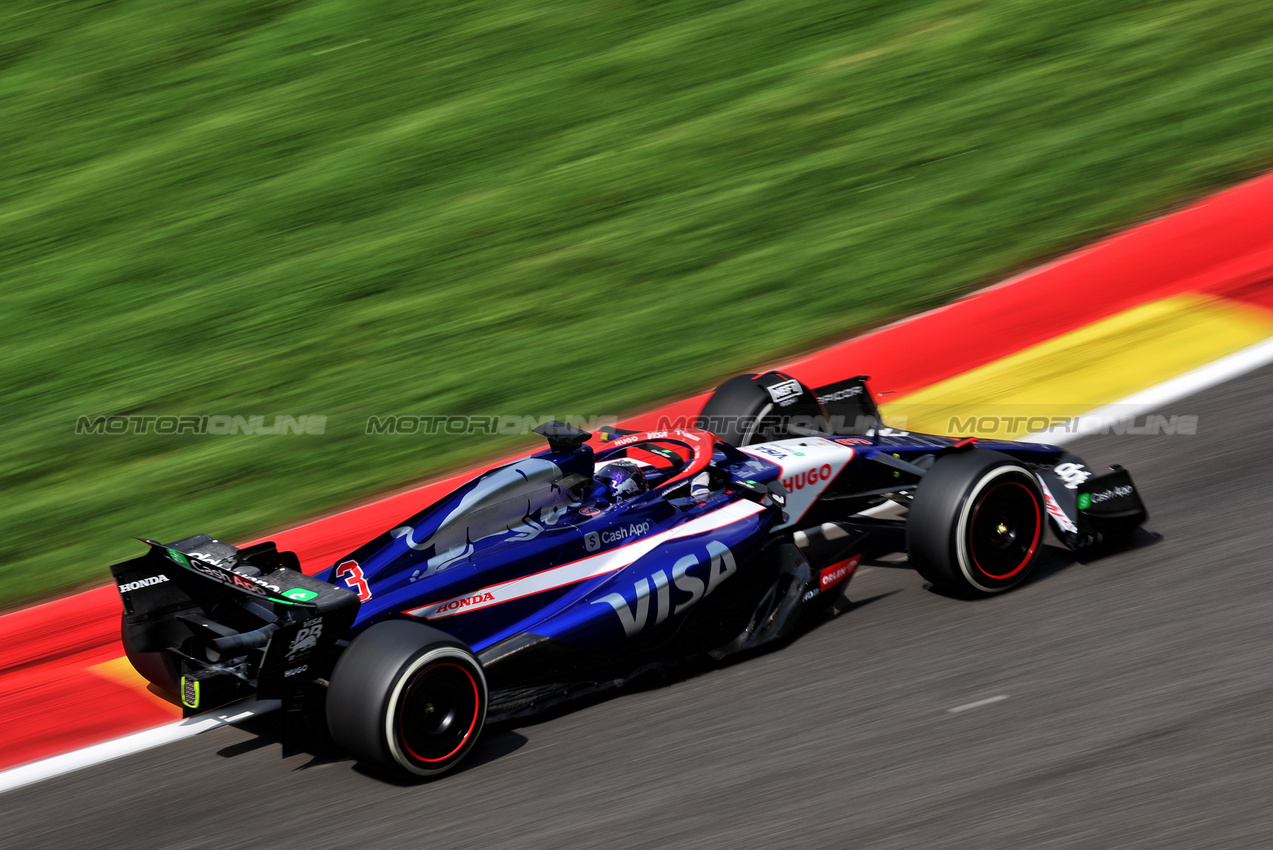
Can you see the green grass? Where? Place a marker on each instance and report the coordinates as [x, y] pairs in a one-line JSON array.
[[539, 207]]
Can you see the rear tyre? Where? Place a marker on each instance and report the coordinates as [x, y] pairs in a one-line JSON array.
[[976, 523], [161, 669], [407, 698], [735, 411]]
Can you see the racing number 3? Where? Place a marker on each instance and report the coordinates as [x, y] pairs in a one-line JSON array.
[[352, 574]]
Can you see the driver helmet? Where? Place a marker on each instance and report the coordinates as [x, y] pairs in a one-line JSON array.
[[621, 479]]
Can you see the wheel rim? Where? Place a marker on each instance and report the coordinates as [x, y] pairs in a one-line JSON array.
[[438, 712], [1005, 530]]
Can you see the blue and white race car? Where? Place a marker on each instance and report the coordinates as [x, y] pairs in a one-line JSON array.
[[582, 565]]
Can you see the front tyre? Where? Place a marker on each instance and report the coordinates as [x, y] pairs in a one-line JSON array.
[[407, 698], [976, 523]]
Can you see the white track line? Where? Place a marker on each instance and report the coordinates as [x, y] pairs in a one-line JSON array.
[[38, 771], [978, 704], [1202, 378]]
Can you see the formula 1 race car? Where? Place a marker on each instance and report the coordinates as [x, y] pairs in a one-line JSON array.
[[579, 566]]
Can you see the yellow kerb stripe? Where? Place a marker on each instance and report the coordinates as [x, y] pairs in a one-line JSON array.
[[121, 672], [1085, 369]]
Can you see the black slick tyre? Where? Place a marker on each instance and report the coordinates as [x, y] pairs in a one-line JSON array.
[[407, 699], [976, 523], [736, 410], [161, 669]]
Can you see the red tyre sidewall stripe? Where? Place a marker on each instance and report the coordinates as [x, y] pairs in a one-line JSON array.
[[1034, 544], [477, 711]]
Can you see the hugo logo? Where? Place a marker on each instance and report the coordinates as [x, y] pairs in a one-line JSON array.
[[807, 478]]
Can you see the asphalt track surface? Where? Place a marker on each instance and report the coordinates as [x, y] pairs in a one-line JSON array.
[[1136, 689]]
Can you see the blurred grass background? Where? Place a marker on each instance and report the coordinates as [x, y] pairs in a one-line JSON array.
[[537, 207]]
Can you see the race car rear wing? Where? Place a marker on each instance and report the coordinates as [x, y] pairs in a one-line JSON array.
[[237, 622]]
